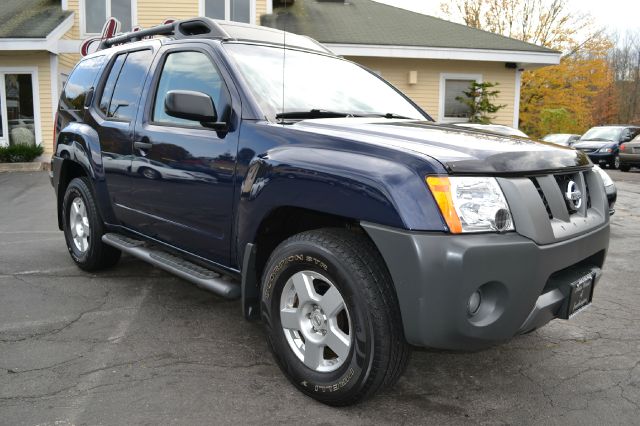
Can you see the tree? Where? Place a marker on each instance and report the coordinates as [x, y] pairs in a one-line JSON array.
[[549, 23], [625, 62], [479, 99], [569, 97], [577, 85]]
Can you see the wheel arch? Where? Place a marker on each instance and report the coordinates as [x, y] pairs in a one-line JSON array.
[[78, 153]]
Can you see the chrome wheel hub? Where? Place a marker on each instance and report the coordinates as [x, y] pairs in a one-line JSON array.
[[79, 225], [315, 321]]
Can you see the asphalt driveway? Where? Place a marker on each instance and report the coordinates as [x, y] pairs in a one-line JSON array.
[[135, 345]]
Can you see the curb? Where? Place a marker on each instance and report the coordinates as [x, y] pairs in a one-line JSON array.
[[23, 167]]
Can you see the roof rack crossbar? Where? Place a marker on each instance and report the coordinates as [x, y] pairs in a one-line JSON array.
[[186, 28]]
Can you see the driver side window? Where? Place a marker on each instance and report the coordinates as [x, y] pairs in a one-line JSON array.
[[188, 71]]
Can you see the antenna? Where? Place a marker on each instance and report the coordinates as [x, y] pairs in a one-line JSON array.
[[284, 55]]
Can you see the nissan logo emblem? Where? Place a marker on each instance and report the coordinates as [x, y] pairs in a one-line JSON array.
[[573, 195]]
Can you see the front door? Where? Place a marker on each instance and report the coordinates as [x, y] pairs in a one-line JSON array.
[[182, 172]]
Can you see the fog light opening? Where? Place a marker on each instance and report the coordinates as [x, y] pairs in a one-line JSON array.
[[501, 220], [473, 306]]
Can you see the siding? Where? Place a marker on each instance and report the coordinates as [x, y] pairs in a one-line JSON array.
[[67, 61], [74, 32], [41, 61], [427, 92], [153, 12], [261, 9]]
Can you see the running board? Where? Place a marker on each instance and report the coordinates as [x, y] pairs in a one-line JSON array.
[[202, 277]]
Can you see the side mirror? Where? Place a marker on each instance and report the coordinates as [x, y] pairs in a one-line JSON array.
[[195, 106]]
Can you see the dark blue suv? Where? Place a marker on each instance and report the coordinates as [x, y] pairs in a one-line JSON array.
[[262, 167]]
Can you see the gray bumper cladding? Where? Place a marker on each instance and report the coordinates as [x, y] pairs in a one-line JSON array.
[[522, 284]]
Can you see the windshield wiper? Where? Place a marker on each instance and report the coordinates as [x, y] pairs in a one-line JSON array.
[[314, 113], [385, 115]]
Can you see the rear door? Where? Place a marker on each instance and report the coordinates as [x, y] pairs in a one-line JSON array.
[[113, 117], [182, 172]]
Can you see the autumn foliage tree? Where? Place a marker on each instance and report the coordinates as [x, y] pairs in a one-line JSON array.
[[566, 98]]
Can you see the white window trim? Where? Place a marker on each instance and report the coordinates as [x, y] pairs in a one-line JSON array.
[[35, 85], [82, 7], [452, 76], [227, 10], [516, 99]]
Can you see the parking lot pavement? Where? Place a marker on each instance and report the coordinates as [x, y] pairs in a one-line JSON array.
[[135, 345]]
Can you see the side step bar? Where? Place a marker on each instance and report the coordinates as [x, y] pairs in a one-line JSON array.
[[202, 277]]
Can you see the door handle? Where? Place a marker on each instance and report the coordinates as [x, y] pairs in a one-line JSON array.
[[143, 146]]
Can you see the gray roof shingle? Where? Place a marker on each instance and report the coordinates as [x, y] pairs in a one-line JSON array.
[[30, 18], [373, 23]]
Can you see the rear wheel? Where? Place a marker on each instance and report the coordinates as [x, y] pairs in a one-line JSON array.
[[332, 316], [83, 228], [624, 167]]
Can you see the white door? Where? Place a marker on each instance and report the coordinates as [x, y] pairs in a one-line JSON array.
[[4, 138], [19, 123]]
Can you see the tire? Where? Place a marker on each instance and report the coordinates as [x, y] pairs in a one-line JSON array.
[[79, 210], [624, 167], [342, 260], [615, 164], [149, 173]]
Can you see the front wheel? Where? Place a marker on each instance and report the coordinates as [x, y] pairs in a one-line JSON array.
[[332, 316], [615, 164], [83, 228]]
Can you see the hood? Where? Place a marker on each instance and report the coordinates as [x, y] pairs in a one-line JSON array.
[[593, 144], [460, 150]]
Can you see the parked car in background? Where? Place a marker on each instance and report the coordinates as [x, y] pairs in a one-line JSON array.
[[494, 128], [630, 154], [564, 139], [602, 143]]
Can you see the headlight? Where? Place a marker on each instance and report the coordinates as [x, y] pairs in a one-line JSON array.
[[605, 150], [606, 179], [471, 204]]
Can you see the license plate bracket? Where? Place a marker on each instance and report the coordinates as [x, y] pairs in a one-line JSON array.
[[579, 297]]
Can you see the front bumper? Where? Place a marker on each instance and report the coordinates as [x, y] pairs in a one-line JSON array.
[[522, 282], [612, 197], [601, 157]]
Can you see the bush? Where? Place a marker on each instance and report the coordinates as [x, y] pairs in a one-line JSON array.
[[20, 153]]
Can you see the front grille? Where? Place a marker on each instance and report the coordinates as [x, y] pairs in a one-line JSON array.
[[553, 194], [544, 206], [542, 197], [587, 150]]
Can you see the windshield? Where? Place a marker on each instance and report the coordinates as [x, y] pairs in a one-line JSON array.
[[325, 85], [602, 133]]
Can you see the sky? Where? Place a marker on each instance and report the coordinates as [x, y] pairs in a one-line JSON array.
[[615, 15]]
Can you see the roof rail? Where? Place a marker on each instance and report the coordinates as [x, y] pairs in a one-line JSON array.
[[185, 28]]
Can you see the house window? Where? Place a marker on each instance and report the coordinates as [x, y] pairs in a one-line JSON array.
[[230, 10], [453, 86], [96, 13]]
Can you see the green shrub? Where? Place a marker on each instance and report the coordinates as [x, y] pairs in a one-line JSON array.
[[20, 153]]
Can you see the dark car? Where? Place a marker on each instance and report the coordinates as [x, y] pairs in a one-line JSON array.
[[602, 143], [335, 209], [630, 154], [564, 139]]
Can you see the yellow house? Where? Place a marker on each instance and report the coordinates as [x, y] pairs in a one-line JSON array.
[[429, 59]]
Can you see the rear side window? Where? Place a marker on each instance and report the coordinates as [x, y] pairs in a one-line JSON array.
[[80, 81], [188, 71], [122, 90]]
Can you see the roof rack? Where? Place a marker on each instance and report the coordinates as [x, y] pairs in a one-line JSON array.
[[185, 28]]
